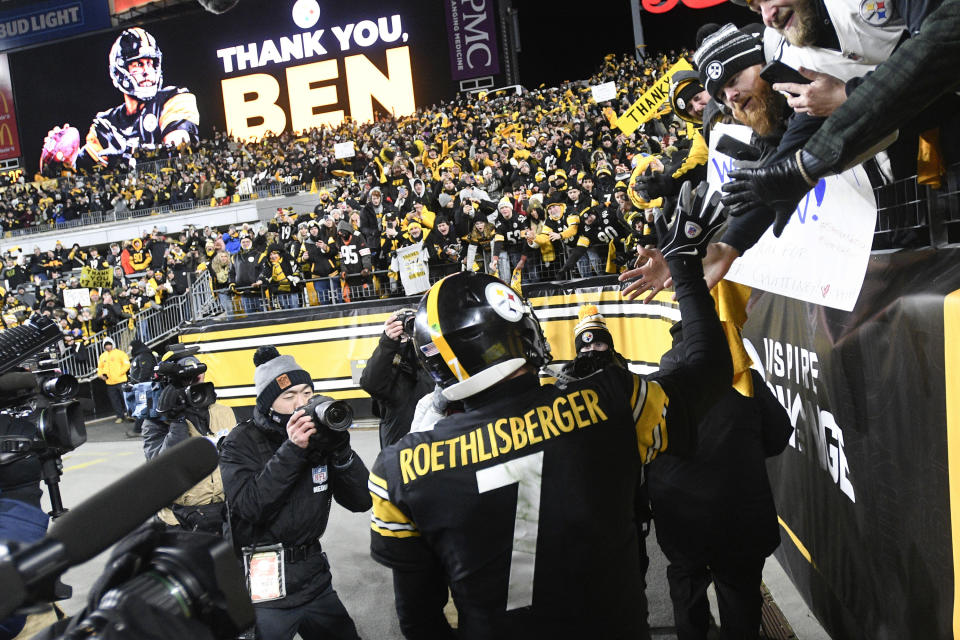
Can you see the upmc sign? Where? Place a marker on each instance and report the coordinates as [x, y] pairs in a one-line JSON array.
[[9, 137], [472, 32]]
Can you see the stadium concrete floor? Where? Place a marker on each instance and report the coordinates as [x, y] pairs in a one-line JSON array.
[[365, 587]]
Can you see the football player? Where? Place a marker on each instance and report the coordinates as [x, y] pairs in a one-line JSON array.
[[151, 115], [523, 504]]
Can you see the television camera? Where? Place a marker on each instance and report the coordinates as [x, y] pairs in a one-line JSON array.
[[39, 393], [178, 374]]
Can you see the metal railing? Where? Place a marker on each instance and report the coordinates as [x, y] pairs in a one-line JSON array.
[[379, 284], [152, 326], [102, 217]]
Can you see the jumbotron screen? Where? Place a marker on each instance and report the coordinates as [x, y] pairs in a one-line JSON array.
[[265, 66]]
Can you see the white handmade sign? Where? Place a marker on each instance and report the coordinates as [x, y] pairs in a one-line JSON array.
[[822, 255], [604, 92], [344, 150]]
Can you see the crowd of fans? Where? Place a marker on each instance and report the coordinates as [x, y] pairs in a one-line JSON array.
[[488, 138], [536, 181]]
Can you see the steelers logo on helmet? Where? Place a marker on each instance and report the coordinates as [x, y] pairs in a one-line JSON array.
[[587, 337], [715, 70], [504, 301], [472, 331], [681, 104]]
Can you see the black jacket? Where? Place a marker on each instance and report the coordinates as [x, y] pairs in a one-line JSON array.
[[719, 501], [142, 362], [395, 380], [244, 268], [278, 492]]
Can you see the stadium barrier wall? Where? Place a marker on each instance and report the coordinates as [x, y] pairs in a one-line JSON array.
[[170, 222], [868, 492]]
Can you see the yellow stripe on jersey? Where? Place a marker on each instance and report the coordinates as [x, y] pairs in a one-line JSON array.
[[377, 480], [650, 413], [436, 333], [182, 106], [388, 521]]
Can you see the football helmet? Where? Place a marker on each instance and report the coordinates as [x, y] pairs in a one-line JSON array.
[[135, 44], [472, 331]]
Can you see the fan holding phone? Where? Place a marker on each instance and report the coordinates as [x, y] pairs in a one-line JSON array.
[[810, 92]]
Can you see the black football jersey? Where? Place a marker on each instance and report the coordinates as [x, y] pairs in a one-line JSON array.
[[605, 228], [116, 132], [511, 232], [528, 505]]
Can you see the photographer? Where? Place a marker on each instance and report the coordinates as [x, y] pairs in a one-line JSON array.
[[202, 507], [394, 379], [140, 379], [280, 470]]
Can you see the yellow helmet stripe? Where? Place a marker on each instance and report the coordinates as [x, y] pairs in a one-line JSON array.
[[436, 333]]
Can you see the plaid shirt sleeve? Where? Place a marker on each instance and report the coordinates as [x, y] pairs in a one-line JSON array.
[[921, 70]]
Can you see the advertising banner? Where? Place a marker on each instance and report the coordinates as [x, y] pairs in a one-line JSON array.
[[863, 489], [472, 35], [9, 136], [43, 21], [822, 255], [119, 6], [262, 68]]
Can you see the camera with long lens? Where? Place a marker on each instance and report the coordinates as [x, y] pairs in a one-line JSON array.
[[177, 376], [335, 415], [188, 575]]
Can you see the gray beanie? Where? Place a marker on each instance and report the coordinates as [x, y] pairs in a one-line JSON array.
[[726, 52], [274, 374]]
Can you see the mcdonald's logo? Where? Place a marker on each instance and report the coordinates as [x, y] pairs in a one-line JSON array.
[[6, 135], [4, 102]]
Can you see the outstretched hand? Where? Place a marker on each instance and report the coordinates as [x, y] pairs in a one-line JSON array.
[[650, 274], [695, 220]]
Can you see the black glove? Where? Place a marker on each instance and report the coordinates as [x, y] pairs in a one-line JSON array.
[[655, 184], [335, 444], [694, 223], [780, 187], [171, 402]]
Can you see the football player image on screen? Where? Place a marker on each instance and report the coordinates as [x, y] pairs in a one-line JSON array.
[[150, 115]]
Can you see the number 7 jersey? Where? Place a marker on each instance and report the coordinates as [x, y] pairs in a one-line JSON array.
[[527, 504]]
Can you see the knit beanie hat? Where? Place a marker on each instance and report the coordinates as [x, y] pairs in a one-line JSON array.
[[591, 328], [726, 52], [274, 374]]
